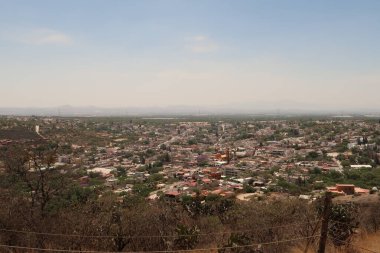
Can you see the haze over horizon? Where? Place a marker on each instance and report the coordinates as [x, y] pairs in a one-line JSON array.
[[286, 55]]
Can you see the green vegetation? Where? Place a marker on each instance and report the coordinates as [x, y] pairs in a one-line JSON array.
[[365, 178]]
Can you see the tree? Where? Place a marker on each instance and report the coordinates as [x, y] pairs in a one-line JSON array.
[[164, 158], [343, 221], [121, 172], [187, 237], [312, 155], [192, 141], [142, 159], [202, 160], [33, 174]]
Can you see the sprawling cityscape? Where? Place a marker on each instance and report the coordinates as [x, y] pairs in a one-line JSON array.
[[202, 168], [174, 158]]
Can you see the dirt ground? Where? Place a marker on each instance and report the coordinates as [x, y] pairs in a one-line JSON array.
[[362, 199]]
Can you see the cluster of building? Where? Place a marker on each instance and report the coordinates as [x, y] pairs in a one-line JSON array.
[[178, 157]]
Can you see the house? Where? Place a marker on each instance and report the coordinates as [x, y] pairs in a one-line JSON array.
[[277, 152], [347, 189], [206, 180], [171, 195], [111, 181], [230, 172], [104, 172], [361, 166]]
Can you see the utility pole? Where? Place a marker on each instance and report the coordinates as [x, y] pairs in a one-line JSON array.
[[325, 222]]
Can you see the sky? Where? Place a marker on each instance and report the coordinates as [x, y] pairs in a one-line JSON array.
[[206, 53]]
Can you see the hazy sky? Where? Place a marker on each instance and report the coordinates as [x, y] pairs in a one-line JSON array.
[[109, 53]]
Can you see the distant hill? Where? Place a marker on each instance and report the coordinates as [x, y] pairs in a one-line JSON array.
[[233, 109]]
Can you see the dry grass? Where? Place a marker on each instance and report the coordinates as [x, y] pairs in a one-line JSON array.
[[362, 199], [364, 243], [369, 241]]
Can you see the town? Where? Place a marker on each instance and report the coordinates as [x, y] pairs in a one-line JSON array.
[[180, 158]]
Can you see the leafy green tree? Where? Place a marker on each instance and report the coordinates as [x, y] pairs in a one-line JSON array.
[[33, 175], [343, 221], [142, 190]]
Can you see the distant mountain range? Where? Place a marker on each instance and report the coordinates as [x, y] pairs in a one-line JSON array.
[[267, 109]]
